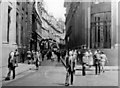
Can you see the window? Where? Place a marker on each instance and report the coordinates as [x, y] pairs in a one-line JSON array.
[[22, 34], [17, 18], [9, 21], [101, 35], [18, 3]]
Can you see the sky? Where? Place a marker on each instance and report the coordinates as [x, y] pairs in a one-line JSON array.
[[55, 8]]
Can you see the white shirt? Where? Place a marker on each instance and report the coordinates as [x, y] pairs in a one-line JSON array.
[[103, 57]]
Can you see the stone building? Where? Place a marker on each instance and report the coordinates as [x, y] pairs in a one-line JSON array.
[[17, 27], [76, 23], [23, 25], [8, 27], [94, 25], [50, 28]]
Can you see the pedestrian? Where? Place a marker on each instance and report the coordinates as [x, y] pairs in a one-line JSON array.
[[85, 62], [90, 58], [16, 56], [103, 60], [53, 57], [49, 54], [29, 56], [58, 55], [75, 58], [43, 54], [84, 58], [97, 61], [36, 60], [79, 60], [32, 56], [70, 69], [40, 57], [11, 65], [23, 56]]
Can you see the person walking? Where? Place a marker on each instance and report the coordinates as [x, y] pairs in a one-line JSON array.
[[79, 59], [103, 60], [16, 55], [74, 59], [23, 56], [58, 55], [70, 68], [36, 60], [11, 65], [90, 58], [40, 57], [29, 56], [84, 60], [97, 61]]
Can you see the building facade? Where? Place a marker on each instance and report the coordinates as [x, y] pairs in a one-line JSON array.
[[51, 29], [17, 27], [76, 24], [8, 26], [94, 25], [98, 19]]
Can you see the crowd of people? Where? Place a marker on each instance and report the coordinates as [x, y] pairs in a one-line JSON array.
[[86, 58], [69, 58], [34, 57]]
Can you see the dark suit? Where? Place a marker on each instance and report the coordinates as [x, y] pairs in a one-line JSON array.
[[70, 69]]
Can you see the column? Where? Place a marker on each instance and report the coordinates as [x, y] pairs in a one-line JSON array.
[[12, 31], [114, 28], [89, 21], [119, 22], [4, 21]]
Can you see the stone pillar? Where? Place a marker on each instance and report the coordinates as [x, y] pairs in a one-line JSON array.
[[89, 21], [4, 21], [114, 23], [119, 22], [12, 30]]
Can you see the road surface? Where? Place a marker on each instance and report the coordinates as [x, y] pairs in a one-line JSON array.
[[53, 74]]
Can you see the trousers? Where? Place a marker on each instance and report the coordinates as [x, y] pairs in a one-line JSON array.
[[68, 75], [9, 73]]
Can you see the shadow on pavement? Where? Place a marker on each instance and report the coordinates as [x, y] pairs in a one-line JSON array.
[[62, 84]]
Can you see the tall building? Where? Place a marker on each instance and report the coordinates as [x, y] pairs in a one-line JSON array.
[[8, 27], [76, 23], [94, 25], [17, 27]]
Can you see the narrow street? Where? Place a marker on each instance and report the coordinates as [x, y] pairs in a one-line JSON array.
[[84, 34], [53, 74]]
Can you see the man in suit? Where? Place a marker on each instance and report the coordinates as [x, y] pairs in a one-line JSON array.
[[97, 61], [70, 68]]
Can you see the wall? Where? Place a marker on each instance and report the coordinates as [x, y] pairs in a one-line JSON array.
[[11, 45], [119, 31], [79, 24]]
